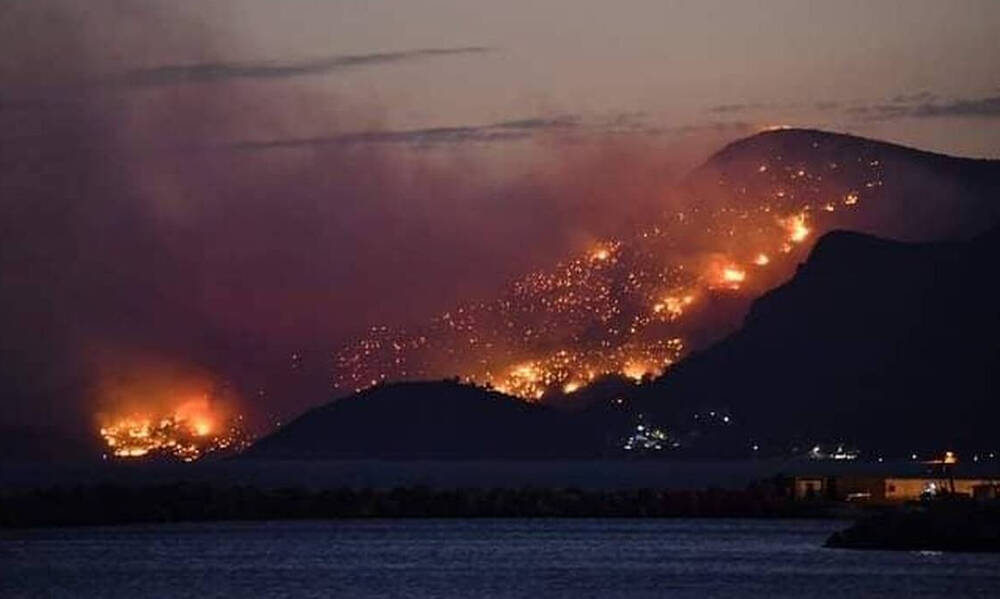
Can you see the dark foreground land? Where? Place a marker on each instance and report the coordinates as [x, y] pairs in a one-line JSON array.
[[104, 504], [945, 525]]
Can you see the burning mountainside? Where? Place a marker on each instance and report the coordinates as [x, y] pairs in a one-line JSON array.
[[190, 432], [159, 411], [632, 305], [627, 305]]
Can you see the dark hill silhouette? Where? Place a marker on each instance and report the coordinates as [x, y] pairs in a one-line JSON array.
[[894, 347], [44, 444], [907, 194], [889, 346], [439, 420]]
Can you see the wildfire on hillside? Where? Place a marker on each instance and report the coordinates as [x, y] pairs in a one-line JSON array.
[[622, 306], [166, 414]]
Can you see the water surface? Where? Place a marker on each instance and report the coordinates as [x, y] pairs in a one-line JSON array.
[[477, 558]]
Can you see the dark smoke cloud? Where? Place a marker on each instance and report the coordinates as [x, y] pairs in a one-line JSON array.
[[118, 251]]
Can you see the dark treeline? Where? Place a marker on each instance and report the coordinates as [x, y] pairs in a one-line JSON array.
[[120, 504]]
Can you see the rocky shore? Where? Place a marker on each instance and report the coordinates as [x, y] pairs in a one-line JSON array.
[[942, 525]]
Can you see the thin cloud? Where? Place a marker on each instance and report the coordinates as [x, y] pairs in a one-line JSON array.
[[914, 98], [923, 106], [731, 108], [724, 108], [981, 107], [716, 126], [221, 71], [415, 137], [632, 124], [494, 132], [538, 123]]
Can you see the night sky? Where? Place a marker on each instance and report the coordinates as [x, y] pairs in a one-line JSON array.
[[214, 193]]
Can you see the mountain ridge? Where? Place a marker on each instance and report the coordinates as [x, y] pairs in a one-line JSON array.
[[425, 420], [818, 361], [795, 375], [740, 145], [634, 304], [826, 355]]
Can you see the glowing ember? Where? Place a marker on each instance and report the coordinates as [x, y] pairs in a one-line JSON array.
[[570, 387], [196, 415], [733, 275], [761, 260], [527, 372], [604, 251], [636, 370], [201, 427], [796, 227], [675, 305]]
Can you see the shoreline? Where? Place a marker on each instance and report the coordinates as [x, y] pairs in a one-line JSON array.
[[946, 524], [113, 504]]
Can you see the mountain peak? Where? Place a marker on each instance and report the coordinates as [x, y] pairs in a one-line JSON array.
[[798, 142]]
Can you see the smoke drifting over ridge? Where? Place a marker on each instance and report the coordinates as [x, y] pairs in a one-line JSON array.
[[130, 233], [183, 217]]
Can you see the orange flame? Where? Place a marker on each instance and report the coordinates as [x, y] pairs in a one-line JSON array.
[[796, 227], [166, 412]]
